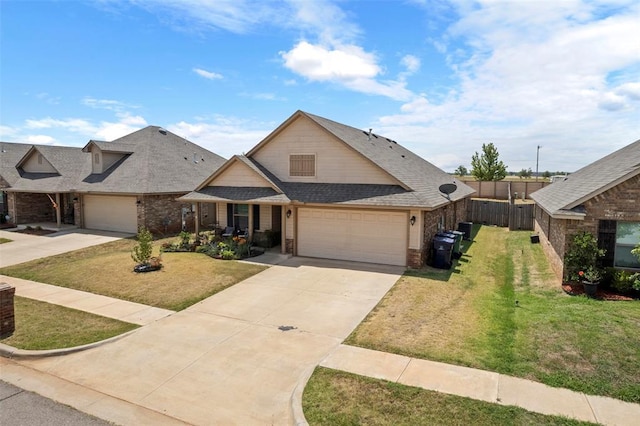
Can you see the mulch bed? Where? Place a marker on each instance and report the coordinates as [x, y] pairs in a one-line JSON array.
[[576, 289]]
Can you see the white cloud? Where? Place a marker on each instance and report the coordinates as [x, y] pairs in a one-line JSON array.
[[318, 63], [207, 74], [411, 62], [558, 74], [126, 124], [347, 65], [226, 136], [236, 16], [108, 104], [40, 140]]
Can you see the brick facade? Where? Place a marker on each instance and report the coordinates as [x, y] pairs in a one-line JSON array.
[[618, 203], [162, 214], [448, 216], [26, 207]]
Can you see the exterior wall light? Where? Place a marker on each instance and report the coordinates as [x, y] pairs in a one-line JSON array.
[[288, 213], [412, 220]]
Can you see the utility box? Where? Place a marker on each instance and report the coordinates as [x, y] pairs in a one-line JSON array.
[[467, 228], [7, 313]]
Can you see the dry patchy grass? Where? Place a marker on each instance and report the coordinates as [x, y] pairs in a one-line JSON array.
[[42, 325], [107, 269], [338, 398], [470, 317]]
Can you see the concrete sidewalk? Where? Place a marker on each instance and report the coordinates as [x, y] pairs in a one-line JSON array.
[[110, 307], [25, 247], [483, 385]]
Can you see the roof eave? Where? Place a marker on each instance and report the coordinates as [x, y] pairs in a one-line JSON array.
[[604, 188]]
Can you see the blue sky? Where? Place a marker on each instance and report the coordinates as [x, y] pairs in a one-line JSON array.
[[440, 77]]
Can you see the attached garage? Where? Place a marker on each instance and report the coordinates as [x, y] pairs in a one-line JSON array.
[[356, 235], [110, 213]]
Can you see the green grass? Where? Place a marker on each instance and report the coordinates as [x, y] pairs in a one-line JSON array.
[[40, 325], [5, 240], [107, 269], [337, 398], [468, 316]]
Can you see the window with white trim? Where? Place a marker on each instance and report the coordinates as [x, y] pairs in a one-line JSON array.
[[303, 165], [627, 237]]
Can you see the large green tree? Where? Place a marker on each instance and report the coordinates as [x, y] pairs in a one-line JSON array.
[[487, 166]]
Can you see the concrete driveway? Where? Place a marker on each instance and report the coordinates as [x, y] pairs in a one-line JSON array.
[[25, 247], [237, 357]]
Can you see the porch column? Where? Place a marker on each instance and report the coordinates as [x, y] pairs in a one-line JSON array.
[[250, 206], [283, 229], [196, 218], [58, 214]]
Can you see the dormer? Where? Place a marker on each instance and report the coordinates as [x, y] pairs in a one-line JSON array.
[[34, 161], [105, 154]]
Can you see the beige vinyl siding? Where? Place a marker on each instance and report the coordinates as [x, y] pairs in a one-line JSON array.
[[335, 162], [222, 214], [238, 174], [357, 235], [96, 160], [266, 217], [37, 163], [110, 213], [109, 159]]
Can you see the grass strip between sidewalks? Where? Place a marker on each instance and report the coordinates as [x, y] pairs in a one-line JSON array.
[[338, 398], [41, 326]]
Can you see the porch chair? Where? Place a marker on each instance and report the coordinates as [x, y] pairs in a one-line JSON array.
[[228, 232]]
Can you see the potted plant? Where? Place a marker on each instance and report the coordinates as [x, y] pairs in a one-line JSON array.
[[581, 261], [590, 279]]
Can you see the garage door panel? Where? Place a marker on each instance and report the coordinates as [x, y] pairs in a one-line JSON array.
[[110, 213], [363, 236]]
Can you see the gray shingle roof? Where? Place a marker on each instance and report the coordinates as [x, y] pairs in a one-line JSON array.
[[414, 172], [566, 196], [253, 195], [418, 179], [157, 163]]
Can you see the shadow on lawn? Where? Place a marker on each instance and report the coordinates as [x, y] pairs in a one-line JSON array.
[[430, 272]]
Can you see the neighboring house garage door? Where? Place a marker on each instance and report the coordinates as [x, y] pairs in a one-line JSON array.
[[110, 213], [358, 235]]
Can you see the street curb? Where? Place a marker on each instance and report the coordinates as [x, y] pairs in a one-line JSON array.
[[296, 398], [10, 352]]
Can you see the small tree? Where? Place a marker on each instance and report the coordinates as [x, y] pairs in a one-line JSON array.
[[525, 173], [461, 171], [487, 166], [546, 174], [141, 253]]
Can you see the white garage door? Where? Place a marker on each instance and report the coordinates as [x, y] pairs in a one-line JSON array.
[[110, 213], [357, 235]]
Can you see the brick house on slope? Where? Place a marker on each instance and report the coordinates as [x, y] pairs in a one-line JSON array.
[[602, 198], [114, 186]]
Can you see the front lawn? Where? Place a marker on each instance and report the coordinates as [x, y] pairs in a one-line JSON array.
[[502, 309], [337, 398], [107, 269], [42, 325]]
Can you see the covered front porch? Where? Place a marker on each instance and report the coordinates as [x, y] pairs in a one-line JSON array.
[[261, 223], [28, 208]]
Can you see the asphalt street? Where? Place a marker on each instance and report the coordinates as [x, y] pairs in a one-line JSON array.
[[19, 407]]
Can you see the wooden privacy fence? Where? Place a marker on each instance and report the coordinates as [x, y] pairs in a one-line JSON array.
[[502, 213]]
